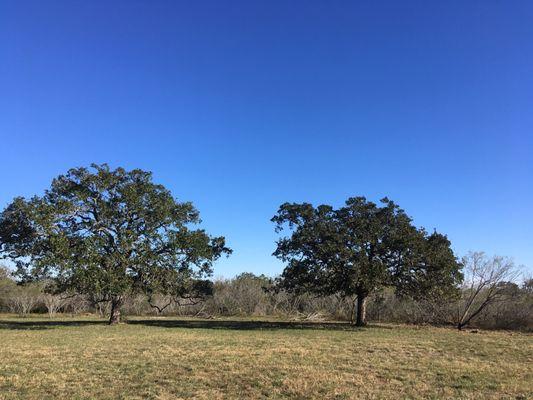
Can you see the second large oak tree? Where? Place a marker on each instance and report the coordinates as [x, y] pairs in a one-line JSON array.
[[356, 249]]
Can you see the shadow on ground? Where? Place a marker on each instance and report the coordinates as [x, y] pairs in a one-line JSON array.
[[37, 325], [181, 323], [241, 324]]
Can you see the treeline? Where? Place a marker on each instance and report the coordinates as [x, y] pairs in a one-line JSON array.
[[249, 295], [112, 241]]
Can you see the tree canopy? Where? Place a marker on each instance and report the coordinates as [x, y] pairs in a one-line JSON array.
[[108, 233], [358, 248]]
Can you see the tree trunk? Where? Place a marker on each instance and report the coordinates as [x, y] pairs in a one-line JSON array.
[[361, 309], [352, 311], [114, 317]]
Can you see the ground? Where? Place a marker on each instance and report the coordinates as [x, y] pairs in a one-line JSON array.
[[82, 358]]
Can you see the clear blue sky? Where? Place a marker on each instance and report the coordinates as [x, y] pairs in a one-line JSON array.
[[240, 106]]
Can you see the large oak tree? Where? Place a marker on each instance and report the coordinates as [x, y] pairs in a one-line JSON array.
[[108, 233], [356, 249]]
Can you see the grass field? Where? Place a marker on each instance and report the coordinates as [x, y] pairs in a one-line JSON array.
[[82, 358]]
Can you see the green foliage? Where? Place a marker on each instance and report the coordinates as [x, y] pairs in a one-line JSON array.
[[108, 233], [361, 247]]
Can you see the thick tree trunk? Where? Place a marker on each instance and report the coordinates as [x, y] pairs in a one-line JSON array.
[[114, 317], [361, 309]]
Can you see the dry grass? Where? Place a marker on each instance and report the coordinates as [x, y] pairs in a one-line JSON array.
[[169, 359]]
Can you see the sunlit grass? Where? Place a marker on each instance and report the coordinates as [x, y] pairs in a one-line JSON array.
[[82, 358]]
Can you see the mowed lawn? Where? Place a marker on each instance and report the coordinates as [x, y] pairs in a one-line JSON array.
[[82, 358]]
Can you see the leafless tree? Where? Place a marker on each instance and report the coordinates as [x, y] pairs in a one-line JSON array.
[[23, 299], [52, 302], [77, 303], [7, 285], [484, 284], [135, 304]]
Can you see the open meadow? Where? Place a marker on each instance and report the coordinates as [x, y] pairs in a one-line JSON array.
[[168, 358]]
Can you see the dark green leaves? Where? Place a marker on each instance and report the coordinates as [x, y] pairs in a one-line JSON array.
[[359, 248], [109, 232]]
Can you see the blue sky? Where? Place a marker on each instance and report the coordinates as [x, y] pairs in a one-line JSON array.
[[240, 106]]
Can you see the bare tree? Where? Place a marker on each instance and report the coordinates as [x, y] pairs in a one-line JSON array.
[[484, 284], [135, 304], [7, 286], [77, 303], [24, 298], [52, 302]]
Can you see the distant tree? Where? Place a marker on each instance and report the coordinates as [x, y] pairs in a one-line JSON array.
[[359, 248], [24, 297], [108, 233], [191, 294], [50, 296], [6, 280], [4, 273], [80, 303], [7, 286], [487, 281], [527, 285], [52, 302], [245, 294]]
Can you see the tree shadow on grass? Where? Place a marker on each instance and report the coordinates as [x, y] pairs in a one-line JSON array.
[[40, 325], [243, 324], [186, 323]]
